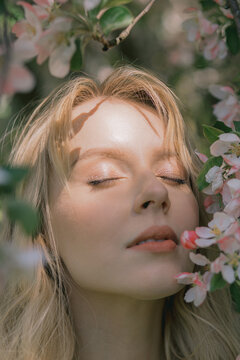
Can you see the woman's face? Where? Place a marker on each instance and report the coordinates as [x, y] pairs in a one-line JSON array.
[[94, 223]]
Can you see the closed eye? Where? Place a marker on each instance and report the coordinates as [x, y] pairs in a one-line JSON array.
[[176, 180], [100, 181]]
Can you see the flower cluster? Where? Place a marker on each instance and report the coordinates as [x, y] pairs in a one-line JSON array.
[[45, 34], [206, 34], [221, 183]]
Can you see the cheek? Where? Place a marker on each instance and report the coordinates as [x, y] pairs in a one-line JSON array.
[[186, 210], [81, 218]]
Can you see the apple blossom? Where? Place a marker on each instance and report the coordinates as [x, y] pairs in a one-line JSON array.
[[188, 239], [202, 157], [28, 30], [199, 259], [215, 230], [201, 285], [207, 34], [233, 162], [58, 45], [230, 242], [224, 264], [214, 48], [19, 78], [215, 178], [231, 197], [212, 203], [227, 144], [228, 109]]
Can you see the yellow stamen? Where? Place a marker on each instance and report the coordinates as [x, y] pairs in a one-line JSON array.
[[234, 261], [216, 231], [236, 149]]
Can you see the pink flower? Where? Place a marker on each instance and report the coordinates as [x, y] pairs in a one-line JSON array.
[[57, 44], [231, 197], [227, 144], [228, 109], [215, 178], [215, 230], [188, 239], [206, 34], [28, 30], [199, 259], [201, 285], [231, 240], [226, 12], [232, 161], [202, 157], [220, 2], [18, 77], [224, 265], [214, 48], [198, 27], [43, 8], [212, 204]]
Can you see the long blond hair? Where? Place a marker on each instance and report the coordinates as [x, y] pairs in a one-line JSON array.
[[35, 317]]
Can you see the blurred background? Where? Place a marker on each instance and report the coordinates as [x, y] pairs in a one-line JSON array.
[[158, 43]]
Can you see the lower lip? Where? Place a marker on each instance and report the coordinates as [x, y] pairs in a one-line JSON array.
[[164, 246]]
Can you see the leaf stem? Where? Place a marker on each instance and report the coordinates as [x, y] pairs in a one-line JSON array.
[[107, 44]]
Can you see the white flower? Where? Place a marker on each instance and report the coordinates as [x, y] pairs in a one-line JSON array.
[[228, 109], [215, 230], [215, 177], [231, 197], [199, 259]]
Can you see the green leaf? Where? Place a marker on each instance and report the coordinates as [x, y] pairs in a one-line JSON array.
[[208, 4], [235, 293], [111, 3], [217, 282], [22, 213], [76, 61], [212, 161], [232, 39], [237, 125], [220, 125], [211, 133], [115, 18], [15, 175]]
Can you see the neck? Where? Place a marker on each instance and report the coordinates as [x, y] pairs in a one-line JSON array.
[[112, 326]]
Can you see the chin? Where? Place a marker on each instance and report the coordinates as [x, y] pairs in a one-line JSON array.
[[155, 292]]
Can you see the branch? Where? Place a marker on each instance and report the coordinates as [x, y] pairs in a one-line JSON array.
[[236, 13], [107, 44]]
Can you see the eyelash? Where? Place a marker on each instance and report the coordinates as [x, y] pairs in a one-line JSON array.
[[99, 182]]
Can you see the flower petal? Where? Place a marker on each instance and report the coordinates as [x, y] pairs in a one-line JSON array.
[[205, 242], [204, 232], [198, 259], [228, 274], [59, 60]]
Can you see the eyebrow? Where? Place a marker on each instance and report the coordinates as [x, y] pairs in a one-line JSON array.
[[118, 154]]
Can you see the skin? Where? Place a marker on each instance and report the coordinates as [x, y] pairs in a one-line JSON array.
[[117, 294]]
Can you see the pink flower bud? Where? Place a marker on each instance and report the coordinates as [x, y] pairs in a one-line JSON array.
[[188, 239]]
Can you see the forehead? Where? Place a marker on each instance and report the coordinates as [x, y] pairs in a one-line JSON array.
[[109, 121]]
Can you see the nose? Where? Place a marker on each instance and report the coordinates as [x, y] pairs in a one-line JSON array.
[[153, 195]]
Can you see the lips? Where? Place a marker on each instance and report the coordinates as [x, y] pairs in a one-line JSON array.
[[157, 233]]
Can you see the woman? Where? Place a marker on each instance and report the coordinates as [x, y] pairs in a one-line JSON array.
[[111, 168]]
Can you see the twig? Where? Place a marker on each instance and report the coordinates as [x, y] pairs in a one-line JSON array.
[[107, 44], [236, 13]]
